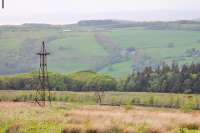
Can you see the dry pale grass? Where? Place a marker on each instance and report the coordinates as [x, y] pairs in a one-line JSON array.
[[156, 120], [101, 119]]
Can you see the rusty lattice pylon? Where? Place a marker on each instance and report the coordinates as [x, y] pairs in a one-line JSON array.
[[43, 91]]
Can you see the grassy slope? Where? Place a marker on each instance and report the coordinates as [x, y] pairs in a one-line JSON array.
[[119, 70], [74, 51], [70, 51], [154, 44]]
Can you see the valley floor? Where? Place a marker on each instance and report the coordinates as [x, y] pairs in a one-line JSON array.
[[61, 117]]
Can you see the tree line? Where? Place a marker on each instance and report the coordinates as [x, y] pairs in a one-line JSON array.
[[165, 78], [80, 81]]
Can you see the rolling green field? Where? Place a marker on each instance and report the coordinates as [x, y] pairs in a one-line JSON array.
[[77, 112], [154, 45], [105, 50]]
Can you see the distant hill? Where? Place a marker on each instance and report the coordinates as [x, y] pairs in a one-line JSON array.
[[124, 23], [114, 47], [103, 22], [107, 23]]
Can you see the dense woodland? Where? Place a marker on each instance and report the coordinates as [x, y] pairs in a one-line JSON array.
[[165, 78]]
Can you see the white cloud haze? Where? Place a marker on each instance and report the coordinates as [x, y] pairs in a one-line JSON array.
[[68, 11]]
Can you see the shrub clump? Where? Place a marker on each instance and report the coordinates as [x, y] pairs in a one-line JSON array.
[[79, 129], [190, 126], [72, 129]]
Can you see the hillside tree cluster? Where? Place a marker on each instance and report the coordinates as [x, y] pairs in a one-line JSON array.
[[165, 78]]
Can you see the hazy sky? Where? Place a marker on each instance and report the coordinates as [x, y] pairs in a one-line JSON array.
[[68, 11]]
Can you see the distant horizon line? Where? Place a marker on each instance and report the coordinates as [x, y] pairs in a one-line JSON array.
[[76, 22]]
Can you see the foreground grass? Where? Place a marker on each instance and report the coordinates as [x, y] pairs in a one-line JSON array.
[[60, 117], [77, 112]]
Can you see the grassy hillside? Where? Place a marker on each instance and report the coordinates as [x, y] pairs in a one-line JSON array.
[[154, 47], [115, 48]]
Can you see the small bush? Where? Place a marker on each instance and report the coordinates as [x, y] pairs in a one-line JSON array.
[[135, 101], [181, 130], [71, 130], [53, 98], [17, 99], [66, 115], [185, 130], [92, 130], [190, 126], [142, 128]]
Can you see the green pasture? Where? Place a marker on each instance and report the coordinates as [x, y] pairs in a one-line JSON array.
[[78, 50]]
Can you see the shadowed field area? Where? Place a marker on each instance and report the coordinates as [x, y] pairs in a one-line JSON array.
[[21, 117]]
